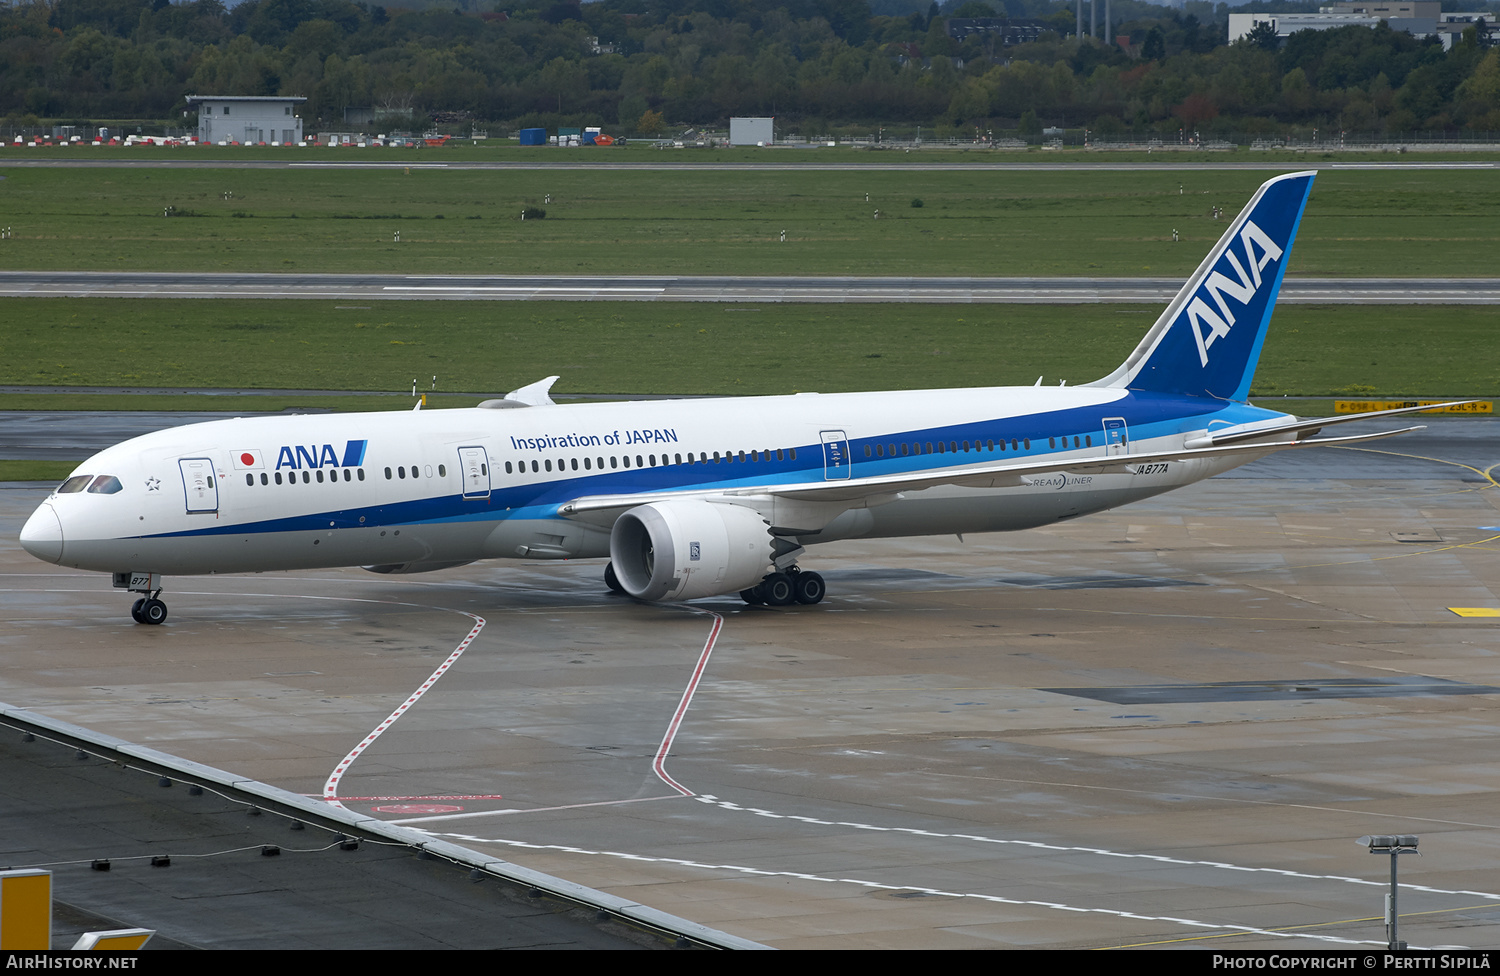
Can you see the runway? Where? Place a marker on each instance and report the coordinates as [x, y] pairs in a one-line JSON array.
[[1053, 291], [1163, 726]]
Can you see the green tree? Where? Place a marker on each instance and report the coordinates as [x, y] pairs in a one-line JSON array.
[[1262, 36], [1155, 47], [651, 123]]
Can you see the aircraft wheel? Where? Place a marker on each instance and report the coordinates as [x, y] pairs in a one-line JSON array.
[[753, 596], [135, 611], [153, 612], [611, 580], [778, 590], [809, 588]]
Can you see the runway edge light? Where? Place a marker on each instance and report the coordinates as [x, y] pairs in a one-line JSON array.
[[26, 909]]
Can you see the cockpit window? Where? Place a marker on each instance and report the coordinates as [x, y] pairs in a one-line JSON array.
[[75, 483], [105, 484]]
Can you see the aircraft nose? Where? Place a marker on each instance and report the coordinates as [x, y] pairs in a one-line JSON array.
[[42, 535]]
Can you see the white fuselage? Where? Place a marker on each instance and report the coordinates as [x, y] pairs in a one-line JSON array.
[[422, 489]]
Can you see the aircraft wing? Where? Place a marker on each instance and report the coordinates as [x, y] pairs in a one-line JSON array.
[[596, 508]]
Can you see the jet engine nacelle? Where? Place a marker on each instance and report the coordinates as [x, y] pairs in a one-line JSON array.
[[687, 549]]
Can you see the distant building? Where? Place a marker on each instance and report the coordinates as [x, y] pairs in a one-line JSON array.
[[752, 132], [1420, 18], [248, 119], [1402, 9], [1000, 29]]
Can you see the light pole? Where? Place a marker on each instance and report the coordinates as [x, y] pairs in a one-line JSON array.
[[1394, 845]]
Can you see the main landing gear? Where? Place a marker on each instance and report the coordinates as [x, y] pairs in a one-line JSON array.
[[780, 589], [783, 589]]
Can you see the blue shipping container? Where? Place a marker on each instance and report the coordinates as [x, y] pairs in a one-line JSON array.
[[533, 137]]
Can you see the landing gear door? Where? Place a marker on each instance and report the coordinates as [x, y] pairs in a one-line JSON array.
[[474, 464], [199, 485], [1116, 436], [835, 456]]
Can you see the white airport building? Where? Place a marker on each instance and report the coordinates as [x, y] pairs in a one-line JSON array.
[[248, 119], [1420, 18], [752, 131]]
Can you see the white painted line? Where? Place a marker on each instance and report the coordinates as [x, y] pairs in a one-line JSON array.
[[530, 289], [1067, 849], [515, 810], [880, 886]]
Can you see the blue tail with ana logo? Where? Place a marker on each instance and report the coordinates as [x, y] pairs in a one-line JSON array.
[[1208, 341]]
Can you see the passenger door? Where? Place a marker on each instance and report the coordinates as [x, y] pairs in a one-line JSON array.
[[836, 462], [1116, 436], [199, 485], [474, 465]]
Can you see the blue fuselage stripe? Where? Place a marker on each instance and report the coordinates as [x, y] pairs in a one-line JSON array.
[[1146, 417]]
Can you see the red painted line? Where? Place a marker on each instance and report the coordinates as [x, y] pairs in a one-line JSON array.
[[330, 787], [659, 764]]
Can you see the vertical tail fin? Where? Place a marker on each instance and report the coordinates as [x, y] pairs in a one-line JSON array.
[[1208, 341]]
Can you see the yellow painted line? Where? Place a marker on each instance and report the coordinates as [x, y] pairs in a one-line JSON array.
[[1476, 611], [1369, 406]]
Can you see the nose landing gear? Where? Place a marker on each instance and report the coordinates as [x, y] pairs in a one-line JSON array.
[[148, 609]]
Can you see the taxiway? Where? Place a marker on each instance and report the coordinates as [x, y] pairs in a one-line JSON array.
[[707, 288], [1161, 726]]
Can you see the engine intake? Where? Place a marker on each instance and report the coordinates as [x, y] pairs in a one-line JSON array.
[[687, 549]]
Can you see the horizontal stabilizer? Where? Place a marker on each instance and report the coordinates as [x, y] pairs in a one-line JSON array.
[[1237, 435]]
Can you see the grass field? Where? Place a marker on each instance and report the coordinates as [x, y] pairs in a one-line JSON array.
[[702, 221], [707, 221], [656, 348]]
